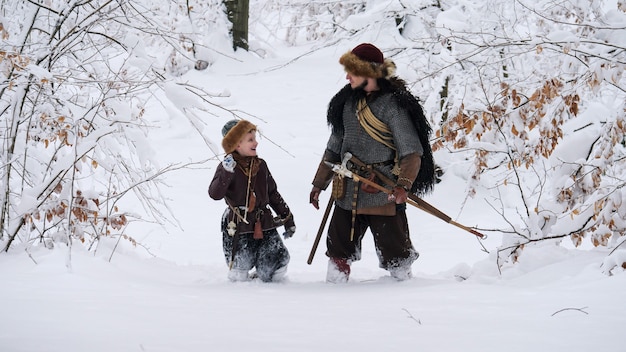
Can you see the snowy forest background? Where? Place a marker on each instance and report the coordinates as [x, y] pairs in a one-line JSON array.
[[531, 94], [527, 100]]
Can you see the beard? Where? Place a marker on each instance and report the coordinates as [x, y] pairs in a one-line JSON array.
[[359, 92], [361, 86]]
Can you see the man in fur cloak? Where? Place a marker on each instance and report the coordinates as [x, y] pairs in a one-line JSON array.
[[376, 119]]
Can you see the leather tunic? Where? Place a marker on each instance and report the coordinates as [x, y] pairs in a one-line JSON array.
[[233, 188]]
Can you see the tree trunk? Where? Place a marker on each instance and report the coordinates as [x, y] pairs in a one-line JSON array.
[[237, 11]]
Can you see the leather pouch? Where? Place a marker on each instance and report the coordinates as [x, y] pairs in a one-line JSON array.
[[367, 188]]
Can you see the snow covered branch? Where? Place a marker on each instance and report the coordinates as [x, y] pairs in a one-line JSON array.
[[77, 77], [535, 97]]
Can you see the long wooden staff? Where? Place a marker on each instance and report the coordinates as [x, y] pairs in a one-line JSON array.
[[422, 204], [412, 199], [320, 231]]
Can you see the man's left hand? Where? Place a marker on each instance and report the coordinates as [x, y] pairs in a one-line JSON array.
[[398, 194]]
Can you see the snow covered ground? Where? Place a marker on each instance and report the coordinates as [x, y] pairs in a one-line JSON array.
[[175, 295]]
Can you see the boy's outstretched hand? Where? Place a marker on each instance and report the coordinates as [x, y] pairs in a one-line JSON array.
[[229, 163]]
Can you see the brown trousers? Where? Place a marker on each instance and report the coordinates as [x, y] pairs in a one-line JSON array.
[[391, 237]]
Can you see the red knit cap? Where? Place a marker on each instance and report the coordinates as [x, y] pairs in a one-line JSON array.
[[367, 60], [368, 52]]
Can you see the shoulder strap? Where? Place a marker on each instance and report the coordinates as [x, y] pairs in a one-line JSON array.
[[372, 125], [376, 129]]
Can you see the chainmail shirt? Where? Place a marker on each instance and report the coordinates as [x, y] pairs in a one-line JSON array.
[[358, 142]]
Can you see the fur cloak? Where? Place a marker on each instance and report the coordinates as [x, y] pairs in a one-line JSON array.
[[425, 180]]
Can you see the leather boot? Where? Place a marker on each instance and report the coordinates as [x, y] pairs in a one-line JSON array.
[[338, 270]]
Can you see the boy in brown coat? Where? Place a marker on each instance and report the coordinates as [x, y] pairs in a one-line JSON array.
[[249, 235]]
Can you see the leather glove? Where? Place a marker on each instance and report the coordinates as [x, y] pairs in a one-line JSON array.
[[229, 163], [398, 194], [314, 197], [289, 232]]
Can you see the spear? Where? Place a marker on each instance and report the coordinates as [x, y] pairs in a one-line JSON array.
[[414, 200]]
